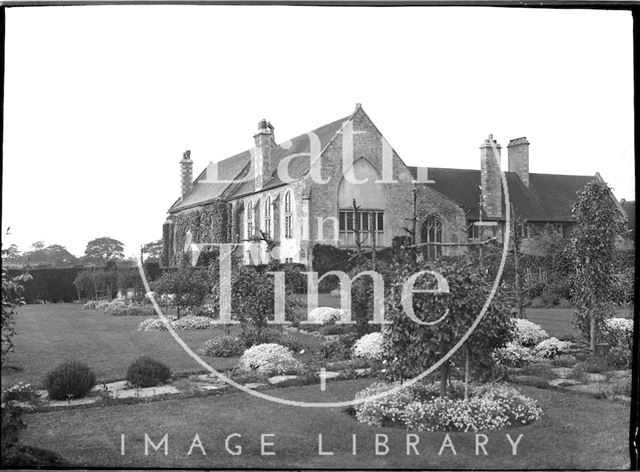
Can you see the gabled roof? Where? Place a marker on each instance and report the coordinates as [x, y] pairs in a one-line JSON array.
[[549, 197], [236, 167]]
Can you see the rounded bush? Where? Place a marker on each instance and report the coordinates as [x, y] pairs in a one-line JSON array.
[[552, 347], [528, 333], [325, 316], [513, 355], [227, 346], [146, 371], [370, 346], [269, 359], [184, 323], [71, 379]]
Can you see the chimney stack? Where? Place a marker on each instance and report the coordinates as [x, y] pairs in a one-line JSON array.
[[186, 172], [490, 179], [264, 144], [518, 151]]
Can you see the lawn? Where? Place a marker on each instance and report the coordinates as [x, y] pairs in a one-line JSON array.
[[575, 432], [52, 333]]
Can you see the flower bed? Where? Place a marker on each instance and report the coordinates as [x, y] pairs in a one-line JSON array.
[[325, 316], [184, 323], [513, 355], [420, 408], [269, 359], [227, 346]]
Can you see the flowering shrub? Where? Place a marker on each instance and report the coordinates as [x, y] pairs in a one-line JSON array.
[[325, 316], [20, 392], [269, 359], [254, 337], [528, 333], [420, 408], [370, 346], [114, 306], [130, 310], [513, 355], [184, 323], [90, 305], [551, 348], [102, 304], [227, 346], [618, 333]]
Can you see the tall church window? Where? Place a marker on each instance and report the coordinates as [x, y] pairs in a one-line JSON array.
[[267, 217], [432, 233], [288, 232], [362, 224], [250, 220]]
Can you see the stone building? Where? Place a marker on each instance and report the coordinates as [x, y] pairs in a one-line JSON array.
[[279, 199]]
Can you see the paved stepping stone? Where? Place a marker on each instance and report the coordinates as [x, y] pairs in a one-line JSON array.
[[562, 372], [146, 392], [591, 377], [113, 386], [619, 374], [563, 382], [212, 387], [281, 378], [79, 401]]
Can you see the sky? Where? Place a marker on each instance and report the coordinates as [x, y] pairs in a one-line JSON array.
[[101, 101]]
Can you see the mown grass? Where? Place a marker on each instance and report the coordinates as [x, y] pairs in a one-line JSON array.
[[575, 432]]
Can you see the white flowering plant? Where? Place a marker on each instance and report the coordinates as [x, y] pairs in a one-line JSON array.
[[325, 316], [513, 355], [528, 333], [419, 408], [370, 346], [269, 359], [90, 305], [184, 323], [552, 347], [20, 392], [618, 333]]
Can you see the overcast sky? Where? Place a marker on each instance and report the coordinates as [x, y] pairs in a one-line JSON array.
[[101, 101]]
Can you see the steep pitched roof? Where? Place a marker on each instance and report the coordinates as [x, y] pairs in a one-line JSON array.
[[548, 198], [235, 167]]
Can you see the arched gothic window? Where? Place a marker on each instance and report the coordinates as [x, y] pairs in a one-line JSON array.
[[249, 220], [288, 231], [432, 233], [267, 217]]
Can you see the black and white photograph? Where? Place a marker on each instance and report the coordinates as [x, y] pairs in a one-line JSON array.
[[318, 237]]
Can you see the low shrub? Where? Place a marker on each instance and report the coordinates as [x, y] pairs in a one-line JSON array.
[[339, 348], [20, 392], [564, 360], [594, 366], [370, 346], [10, 429], [90, 305], [528, 333], [131, 310], [227, 346], [72, 379], [334, 329], [114, 306], [184, 323], [254, 337], [269, 359], [552, 347], [146, 371], [418, 407], [513, 355]]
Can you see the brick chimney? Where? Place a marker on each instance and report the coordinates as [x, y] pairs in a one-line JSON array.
[[490, 180], [518, 151], [186, 173], [264, 140]]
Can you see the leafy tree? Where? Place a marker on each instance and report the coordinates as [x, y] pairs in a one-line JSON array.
[[12, 253], [153, 250], [11, 298], [54, 255], [411, 348], [188, 285], [598, 227], [38, 245], [104, 250]]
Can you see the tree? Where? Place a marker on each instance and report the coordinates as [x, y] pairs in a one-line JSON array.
[[38, 245], [103, 250], [189, 286], [411, 348], [12, 253], [598, 227], [153, 250], [54, 255]]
